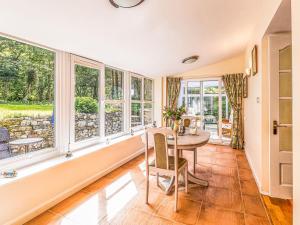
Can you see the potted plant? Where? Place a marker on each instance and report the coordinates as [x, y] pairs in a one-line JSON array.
[[173, 115]]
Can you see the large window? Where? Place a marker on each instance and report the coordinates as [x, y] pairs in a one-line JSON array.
[[114, 101], [27, 117], [93, 103]]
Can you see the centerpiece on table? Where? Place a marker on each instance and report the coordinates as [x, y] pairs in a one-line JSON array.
[[173, 116]]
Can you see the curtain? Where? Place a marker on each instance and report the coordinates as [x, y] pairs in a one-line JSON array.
[[173, 91], [233, 84]]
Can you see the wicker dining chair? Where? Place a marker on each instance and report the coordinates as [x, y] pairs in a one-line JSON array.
[[163, 163]]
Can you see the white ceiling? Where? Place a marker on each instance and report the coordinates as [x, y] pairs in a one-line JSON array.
[[150, 39]]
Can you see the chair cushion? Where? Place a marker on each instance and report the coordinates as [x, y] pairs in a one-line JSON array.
[[181, 162]]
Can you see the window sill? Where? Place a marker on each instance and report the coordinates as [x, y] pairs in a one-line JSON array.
[[52, 162]]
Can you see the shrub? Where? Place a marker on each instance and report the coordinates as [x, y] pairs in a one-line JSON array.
[[86, 105]]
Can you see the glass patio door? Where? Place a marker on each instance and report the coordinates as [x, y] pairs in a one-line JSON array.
[[207, 99], [210, 109]]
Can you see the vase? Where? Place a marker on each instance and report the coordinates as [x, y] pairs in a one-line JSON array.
[[176, 125]]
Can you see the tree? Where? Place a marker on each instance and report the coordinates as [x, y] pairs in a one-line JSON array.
[[26, 72]]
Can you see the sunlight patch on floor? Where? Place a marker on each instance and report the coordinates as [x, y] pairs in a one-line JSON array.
[[119, 194]]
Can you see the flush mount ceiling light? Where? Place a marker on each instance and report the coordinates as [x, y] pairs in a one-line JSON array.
[[125, 3], [190, 59]]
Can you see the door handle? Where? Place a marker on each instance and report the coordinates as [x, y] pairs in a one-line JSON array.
[[276, 125]]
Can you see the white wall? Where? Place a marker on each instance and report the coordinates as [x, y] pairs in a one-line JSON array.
[[253, 110], [296, 107]]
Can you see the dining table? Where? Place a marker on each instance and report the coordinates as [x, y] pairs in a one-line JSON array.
[[187, 142]]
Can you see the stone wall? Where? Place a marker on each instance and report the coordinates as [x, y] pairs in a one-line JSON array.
[[30, 127], [86, 126], [113, 122]]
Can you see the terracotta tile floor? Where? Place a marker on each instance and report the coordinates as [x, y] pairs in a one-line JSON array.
[[118, 198]]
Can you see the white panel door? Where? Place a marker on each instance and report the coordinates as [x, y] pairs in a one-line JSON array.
[[281, 156]]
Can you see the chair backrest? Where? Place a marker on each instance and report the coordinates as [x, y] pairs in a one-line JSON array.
[[186, 122], [4, 134], [225, 120], [160, 145]]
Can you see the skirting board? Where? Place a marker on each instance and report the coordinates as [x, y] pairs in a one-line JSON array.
[[67, 193], [255, 176]]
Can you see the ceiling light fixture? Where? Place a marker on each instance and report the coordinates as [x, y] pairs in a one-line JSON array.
[[125, 3], [190, 59]]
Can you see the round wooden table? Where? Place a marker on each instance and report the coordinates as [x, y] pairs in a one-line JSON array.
[[188, 142]]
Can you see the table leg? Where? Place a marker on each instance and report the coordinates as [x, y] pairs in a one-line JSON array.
[[195, 180]]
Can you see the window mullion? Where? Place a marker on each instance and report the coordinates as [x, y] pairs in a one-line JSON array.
[[72, 100], [63, 79]]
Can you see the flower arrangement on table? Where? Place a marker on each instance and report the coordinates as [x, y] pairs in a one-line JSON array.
[[173, 115]]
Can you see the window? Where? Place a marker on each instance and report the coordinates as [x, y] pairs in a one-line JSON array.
[[86, 111], [211, 107], [86, 103], [141, 101], [136, 101], [148, 104], [148, 86], [193, 97], [27, 116], [114, 101]]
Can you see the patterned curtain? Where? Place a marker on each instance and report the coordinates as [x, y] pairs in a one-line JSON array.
[[233, 84], [173, 91]]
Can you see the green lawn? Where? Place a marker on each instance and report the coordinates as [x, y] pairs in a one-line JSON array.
[[18, 110]]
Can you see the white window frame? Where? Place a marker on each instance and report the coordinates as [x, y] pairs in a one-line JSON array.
[[123, 101], [142, 101], [139, 127], [78, 60], [147, 101], [43, 154]]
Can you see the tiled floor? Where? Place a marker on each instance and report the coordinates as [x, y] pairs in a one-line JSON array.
[[232, 197]]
